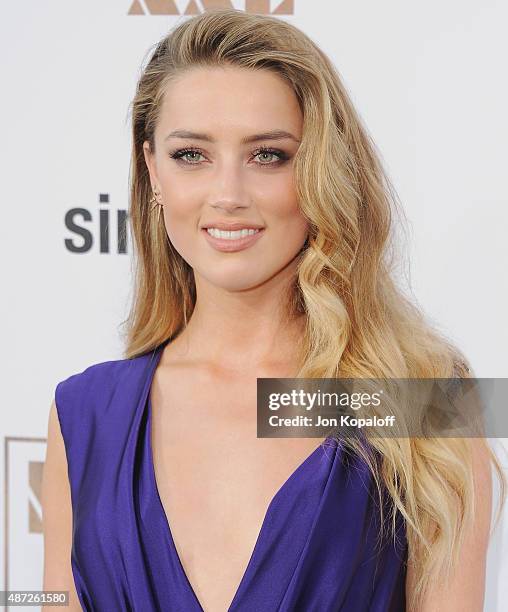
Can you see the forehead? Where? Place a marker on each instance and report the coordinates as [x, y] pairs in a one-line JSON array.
[[229, 98]]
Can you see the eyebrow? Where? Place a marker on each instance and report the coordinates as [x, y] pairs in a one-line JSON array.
[[271, 135]]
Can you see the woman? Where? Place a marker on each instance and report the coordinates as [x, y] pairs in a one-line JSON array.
[[241, 124]]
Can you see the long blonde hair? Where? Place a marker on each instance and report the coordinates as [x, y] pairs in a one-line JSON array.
[[358, 322]]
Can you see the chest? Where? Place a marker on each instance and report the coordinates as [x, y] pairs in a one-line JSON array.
[[215, 478]]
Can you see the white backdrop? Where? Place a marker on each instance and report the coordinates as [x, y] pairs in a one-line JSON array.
[[429, 80]]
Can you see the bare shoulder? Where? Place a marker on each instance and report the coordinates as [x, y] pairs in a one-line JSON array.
[[465, 590], [57, 515]]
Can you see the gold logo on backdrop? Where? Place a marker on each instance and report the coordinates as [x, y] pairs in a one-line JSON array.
[[194, 7], [23, 469]]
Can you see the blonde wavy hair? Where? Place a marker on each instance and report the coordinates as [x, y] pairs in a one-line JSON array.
[[358, 322]]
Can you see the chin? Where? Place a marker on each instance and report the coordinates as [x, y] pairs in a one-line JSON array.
[[241, 283]]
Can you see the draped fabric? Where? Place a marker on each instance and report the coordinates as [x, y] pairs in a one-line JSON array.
[[318, 549]]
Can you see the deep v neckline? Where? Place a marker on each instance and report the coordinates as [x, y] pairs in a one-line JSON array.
[[147, 405]]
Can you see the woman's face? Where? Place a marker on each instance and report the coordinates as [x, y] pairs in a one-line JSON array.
[[235, 168]]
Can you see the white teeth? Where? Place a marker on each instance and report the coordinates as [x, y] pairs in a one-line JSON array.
[[216, 233]]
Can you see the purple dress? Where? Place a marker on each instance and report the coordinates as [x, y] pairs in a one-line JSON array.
[[317, 550]]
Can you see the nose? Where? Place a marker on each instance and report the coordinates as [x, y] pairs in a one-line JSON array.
[[227, 186], [228, 206]]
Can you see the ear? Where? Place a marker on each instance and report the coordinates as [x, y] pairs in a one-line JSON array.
[[150, 163]]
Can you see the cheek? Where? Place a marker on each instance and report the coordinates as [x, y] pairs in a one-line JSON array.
[[280, 199], [181, 226], [287, 218]]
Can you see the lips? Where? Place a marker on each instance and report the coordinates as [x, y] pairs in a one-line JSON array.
[[229, 245], [232, 226]]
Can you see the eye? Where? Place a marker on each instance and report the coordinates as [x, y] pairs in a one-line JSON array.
[[266, 151], [190, 156], [182, 153]]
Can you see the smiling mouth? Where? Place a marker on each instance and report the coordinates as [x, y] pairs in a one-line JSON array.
[[231, 235], [229, 241]]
